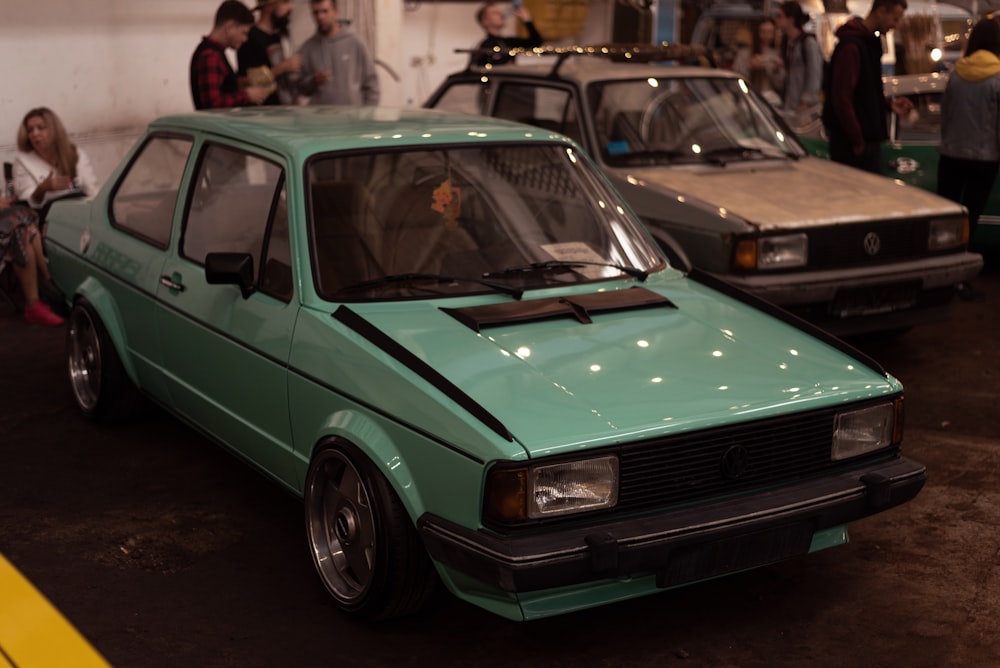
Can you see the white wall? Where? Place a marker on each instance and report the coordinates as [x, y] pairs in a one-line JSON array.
[[433, 30], [108, 67]]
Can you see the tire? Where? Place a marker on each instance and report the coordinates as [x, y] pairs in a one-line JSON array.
[[363, 544], [102, 389]]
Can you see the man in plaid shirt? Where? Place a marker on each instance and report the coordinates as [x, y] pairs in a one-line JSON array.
[[214, 84]]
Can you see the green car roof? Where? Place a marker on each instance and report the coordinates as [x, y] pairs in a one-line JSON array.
[[307, 130]]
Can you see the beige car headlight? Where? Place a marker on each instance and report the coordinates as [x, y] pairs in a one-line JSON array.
[[867, 429], [777, 252], [546, 490], [945, 233]]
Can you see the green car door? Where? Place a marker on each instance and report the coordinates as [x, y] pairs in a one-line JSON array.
[[225, 346]]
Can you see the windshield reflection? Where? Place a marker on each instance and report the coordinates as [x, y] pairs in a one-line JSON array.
[[425, 223], [685, 120]]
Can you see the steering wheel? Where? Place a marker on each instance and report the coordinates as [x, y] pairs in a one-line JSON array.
[[662, 109]]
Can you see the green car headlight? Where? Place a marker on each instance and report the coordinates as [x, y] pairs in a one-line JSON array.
[[946, 233], [867, 429], [539, 491]]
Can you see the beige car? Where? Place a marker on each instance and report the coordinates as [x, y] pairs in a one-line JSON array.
[[725, 187]]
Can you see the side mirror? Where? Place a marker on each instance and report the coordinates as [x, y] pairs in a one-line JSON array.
[[231, 269]]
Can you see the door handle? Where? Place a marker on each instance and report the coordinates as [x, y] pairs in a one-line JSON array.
[[170, 283]]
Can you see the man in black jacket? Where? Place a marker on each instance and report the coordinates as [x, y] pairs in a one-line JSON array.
[[855, 106]]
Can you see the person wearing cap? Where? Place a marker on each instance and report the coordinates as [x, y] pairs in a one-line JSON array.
[[264, 54], [336, 65], [214, 84]]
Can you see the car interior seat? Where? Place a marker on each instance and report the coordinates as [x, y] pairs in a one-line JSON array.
[[343, 224]]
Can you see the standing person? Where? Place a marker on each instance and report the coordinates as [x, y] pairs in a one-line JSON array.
[[494, 49], [336, 66], [970, 128], [48, 165], [855, 107], [214, 84], [21, 245], [762, 65], [265, 50], [803, 64]]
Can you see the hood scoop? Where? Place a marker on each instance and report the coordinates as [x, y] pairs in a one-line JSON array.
[[579, 307]]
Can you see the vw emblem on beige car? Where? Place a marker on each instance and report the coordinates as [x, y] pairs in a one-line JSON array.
[[872, 244]]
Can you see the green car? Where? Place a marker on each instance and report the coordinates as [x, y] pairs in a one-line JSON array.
[[911, 154], [456, 343]]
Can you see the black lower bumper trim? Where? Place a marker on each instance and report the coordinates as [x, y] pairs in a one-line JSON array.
[[681, 545]]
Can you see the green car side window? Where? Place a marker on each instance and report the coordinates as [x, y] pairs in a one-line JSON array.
[[237, 205]]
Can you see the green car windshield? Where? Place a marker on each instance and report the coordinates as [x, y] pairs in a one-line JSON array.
[[421, 223], [664, 121]]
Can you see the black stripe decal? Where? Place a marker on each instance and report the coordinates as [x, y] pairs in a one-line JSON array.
[[380, 339]]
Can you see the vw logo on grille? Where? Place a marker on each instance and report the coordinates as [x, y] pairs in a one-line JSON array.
[[872, 244], [735, 462]]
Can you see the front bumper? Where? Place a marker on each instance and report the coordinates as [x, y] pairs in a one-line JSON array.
[[810, 287], [865, 299], [678, 546]]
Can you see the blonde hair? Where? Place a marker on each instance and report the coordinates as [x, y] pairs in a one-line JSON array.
[[65, 152]]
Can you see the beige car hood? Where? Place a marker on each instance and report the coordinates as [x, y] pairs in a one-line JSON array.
[[780, 194]]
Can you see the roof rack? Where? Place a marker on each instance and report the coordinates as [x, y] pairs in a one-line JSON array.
[[637, 53]]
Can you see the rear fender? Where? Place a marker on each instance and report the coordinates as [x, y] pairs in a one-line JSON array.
[[107, 309]]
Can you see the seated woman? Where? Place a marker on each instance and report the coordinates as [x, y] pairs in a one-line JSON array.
[[48, 165], [21, 246]]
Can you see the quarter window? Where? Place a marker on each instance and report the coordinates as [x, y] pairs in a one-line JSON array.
[[143, 203]]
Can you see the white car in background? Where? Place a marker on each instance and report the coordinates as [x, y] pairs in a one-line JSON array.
[[725, 186]]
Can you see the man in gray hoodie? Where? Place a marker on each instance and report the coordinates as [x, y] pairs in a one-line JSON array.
[[336, 66]]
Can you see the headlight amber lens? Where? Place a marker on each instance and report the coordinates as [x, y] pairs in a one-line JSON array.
[[947, 233], [533, 492], [862, 431], [745, 255]]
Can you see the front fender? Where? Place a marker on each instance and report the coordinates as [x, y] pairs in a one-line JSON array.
[[427, 475]]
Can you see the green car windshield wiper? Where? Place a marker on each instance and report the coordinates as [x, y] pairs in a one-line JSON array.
[[439, 278], [566, 264]]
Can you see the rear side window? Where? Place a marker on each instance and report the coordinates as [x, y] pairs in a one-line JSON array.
[[143, 203], [465, 98], [238, 205], [549, 108]]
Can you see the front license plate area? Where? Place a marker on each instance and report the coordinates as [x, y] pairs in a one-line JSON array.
[[737, 553], [872, 299]]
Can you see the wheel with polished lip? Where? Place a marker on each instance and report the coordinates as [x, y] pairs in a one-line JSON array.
[[363, 544], [102, 389]]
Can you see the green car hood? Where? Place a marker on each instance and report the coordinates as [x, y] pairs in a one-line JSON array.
[[809, 192], [559, 384]]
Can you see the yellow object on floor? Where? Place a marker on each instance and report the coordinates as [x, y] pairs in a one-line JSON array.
[[33, 634]]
